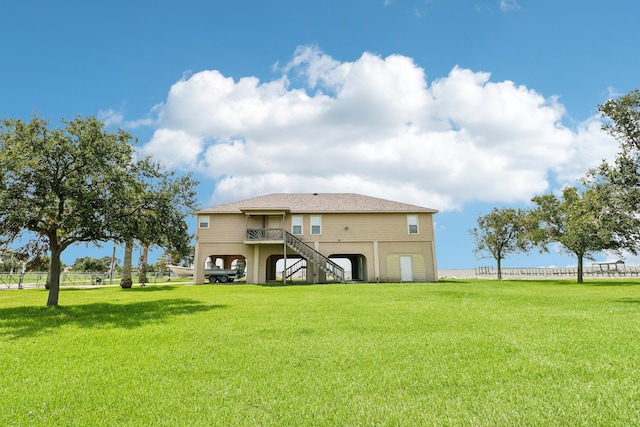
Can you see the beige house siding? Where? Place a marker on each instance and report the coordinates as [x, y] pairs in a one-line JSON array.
[[265, 251], [346, 247], [347, 227], [223, 228], [361, 227]]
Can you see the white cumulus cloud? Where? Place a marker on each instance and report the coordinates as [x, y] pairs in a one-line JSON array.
[[374, 126], [508, 5]]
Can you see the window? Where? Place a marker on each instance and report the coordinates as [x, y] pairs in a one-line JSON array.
[[316, 224], [412, 224], [296, 224], [203, 221]]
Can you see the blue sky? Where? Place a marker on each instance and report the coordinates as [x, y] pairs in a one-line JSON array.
[[456, 105]]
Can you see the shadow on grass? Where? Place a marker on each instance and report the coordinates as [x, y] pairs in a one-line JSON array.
[[573, 281], [439, 282], [587, 282], [152, 288], [25, 322], [135, 288], [629, 300], [612, 282], [555, 282], [452, 280]]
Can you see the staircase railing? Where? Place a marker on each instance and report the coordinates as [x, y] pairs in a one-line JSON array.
[[294, 268], [316, 258], [265, 234]]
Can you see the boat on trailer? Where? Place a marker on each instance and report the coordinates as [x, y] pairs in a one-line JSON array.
[[215, 274]]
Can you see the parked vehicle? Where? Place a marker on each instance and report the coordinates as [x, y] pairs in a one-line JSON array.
[[213, 275]]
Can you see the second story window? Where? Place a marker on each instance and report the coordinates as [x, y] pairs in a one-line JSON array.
[[316, 224], [203, 221], [412, 224], [296, 224]]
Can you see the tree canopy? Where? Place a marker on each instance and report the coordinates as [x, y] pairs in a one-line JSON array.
[[622, 120], [160, 203], [583, 221], [80, 183], [9, 263], [93, 265]]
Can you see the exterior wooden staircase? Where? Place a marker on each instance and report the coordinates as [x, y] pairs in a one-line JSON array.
[[312, 256]]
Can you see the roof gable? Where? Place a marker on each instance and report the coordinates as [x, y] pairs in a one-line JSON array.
[[316, 203]]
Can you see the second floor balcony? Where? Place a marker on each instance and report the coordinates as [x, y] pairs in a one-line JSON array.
[[263, 235]]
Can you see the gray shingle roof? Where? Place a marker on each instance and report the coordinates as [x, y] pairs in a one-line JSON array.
[[316, 203]]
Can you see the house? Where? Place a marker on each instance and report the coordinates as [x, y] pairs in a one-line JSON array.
[[323, 237]]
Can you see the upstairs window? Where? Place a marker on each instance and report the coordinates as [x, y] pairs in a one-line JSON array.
[[316, 224], [296, 224], [203, 221], [412, 224]]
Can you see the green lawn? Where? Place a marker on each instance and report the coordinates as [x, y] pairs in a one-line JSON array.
[[454, 353]]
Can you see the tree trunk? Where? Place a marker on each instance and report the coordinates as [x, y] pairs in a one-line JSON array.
[[499, 260], [143, 265], [580, 272], [125, 281], [53, 276]]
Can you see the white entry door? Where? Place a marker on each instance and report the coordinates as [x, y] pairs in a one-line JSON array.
[[406, 269]]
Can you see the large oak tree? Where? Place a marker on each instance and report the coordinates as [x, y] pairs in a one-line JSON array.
[[583, 221], [74, 184]]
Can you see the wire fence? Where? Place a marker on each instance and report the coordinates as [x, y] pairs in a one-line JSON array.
[[39, 280]]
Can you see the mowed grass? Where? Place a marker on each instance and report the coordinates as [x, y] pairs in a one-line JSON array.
[[453, 353]]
